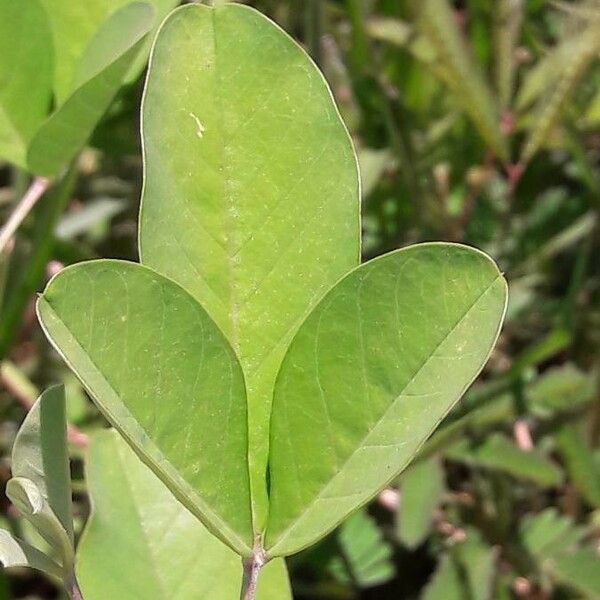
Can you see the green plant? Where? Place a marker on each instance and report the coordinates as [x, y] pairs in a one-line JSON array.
[[440, 100], [249, 339], [272, 383]]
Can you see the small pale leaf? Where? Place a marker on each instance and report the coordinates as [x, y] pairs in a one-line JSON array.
[[30, 502], [40, 453], [17, 553]]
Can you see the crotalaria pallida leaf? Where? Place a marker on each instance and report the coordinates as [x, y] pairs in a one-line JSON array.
[[168, 554], [251, 193], [99, 74], [164, 375], [369, 375], [25, 73]]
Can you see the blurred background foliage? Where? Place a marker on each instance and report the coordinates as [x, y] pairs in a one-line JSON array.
[[475, 121]]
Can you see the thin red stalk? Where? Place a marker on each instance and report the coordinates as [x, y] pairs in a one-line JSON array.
[[36, 190]]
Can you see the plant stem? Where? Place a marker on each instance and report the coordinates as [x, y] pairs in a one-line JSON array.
[[252, 566], [72, 587], [36, 190]]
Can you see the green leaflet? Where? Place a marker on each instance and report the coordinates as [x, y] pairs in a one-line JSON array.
[[25, 72], [369, 375], [251, 192], [250, 204], [168, 553], [97, 79], [165, 377]]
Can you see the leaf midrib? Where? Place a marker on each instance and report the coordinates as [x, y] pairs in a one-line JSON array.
[[228, 202]]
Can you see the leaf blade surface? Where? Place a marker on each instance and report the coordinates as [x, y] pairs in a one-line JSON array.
[[241, 138], [167, 551], [367, 378], [165, 377], [26, 61]]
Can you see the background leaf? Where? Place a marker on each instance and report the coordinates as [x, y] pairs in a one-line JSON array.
[[103, 66], [167, 552], [74, 26], [467, 571], [421, 488], [579, 462], [497, 452], [548, 534], [454, 64], [26, 62], [579, 571], [365, 559], [582, 51]]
